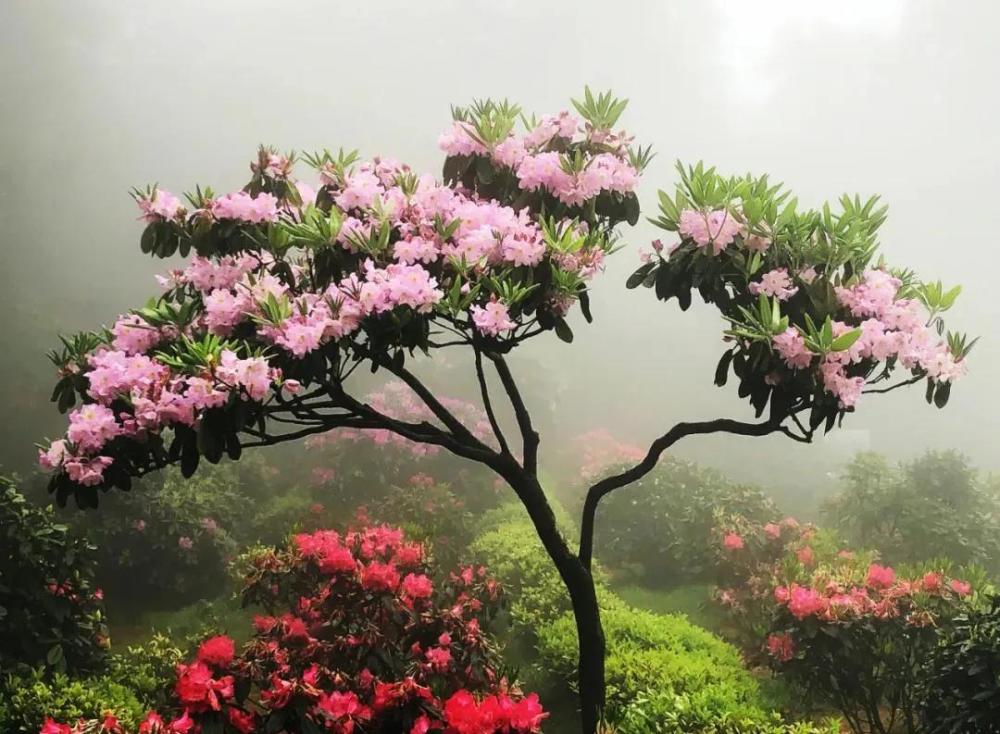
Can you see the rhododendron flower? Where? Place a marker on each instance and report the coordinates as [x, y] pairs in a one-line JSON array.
[[378, 576], [492, 319], [417, 586], [218, 651], [962, 588], [932, 582], [806, 556], [791, 346], [775, 283], [804, 602], [880, 577], [161, 206], [197, 689], [732, 542], [781, 647], [52, 727], [717, 228], [243, 721], [772, 531]]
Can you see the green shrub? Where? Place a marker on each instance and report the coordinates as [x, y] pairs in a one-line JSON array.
[[663, 712], [659, 529], [933, 507], [960, 692], [50, 612], [26, 700], [697, 678], [662, 653]]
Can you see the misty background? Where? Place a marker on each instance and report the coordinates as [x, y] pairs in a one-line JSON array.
[[869, 96]]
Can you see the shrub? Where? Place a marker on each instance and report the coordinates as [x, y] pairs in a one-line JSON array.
[[166, 545], [27, 700], [857, 643], [932, 507], [659, 529], [960, 692], [51, 614], [660, 656], [359, 635], [661, 653]]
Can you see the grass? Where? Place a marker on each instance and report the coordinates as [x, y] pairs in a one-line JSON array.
[[692, 600]]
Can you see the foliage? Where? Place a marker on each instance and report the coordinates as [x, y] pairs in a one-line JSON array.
[[167, 544], [665, 712], [960, 691], [51, 614], [815, 315], [662, 653], [932, 507], [27, 699], [659, 529]]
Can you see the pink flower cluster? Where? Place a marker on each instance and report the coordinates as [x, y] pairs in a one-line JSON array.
[[712, 231], [881, 595], [243, 207], [539, 163], [891, 328]]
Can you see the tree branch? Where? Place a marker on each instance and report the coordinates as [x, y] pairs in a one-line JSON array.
[[904, 383], [646, 465], [529, 435], [487, 403]]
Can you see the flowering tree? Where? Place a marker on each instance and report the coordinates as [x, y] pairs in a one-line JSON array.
[[290, 290]]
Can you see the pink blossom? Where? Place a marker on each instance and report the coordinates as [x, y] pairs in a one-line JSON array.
[[88, 472], [732, 542], [492, 319], [806, 556], [775, 283], [717, 228], [92, 426], [772, 531], [962, 588], [162, 206], [880, 577], [781, 647], [804, 602], [133, 335], [791, 346], [241, 206]]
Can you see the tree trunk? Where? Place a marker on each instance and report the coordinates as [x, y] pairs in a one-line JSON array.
[[580, 585]]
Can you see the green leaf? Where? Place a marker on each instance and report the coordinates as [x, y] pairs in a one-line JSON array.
[[846, 340]]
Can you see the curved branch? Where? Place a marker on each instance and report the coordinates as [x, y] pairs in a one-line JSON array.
[[646, 465], [487, 403], [529, 435]]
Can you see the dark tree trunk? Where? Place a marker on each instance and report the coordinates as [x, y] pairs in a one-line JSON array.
[[580, 585]]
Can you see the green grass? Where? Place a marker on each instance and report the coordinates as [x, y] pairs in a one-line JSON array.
[[223, 614]]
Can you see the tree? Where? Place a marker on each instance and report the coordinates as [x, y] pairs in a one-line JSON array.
[[290, 291]]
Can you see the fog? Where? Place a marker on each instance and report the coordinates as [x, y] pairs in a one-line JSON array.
[[869, 96]]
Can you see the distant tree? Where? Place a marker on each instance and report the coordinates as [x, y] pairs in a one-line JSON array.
[[290, 291], [932, 507]]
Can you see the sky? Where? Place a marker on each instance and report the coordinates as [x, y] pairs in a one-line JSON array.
[[869, 96]]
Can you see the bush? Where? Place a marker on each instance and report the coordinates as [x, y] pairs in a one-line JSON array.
[[166, 545], [51, 614], [661, 653], [961, 690], [27, 700], [932, 507], [660, 528], [359, 635], [659, 657]]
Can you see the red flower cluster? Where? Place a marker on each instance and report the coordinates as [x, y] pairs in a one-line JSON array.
[[358, 638]]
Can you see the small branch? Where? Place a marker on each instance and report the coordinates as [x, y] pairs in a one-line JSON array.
[[529, 435], [488, 404], [904, 383]]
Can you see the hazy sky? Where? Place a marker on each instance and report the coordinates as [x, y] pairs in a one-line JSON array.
[[869, 96]]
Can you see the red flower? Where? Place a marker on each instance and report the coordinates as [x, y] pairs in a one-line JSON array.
[[197, 688], [53, 727], [417, 586], [528, 714], [962, 588], [932, 582], [217, 651], [880, 577], [379, 576], [781, 647], [732, 542]]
